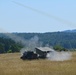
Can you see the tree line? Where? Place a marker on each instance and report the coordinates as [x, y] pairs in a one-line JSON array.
[[9, 46], [64, 39], [58, 40]]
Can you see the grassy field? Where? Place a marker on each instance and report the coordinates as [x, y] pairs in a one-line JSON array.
[[11, 64]]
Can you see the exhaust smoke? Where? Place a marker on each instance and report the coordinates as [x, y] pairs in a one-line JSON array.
[[59, 56], [31, 44]]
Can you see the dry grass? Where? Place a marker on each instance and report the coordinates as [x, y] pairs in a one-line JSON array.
[[11, 64]]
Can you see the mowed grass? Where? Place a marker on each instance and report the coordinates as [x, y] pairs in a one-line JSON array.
[[11, 64]]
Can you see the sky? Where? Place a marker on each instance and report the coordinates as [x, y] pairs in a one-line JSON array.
[[17, 18]]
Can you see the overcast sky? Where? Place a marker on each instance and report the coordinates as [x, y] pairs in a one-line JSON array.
[[16, 18]]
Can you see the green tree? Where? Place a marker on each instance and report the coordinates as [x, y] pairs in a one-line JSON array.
[[9, 51], [59, 48], [2, 50]]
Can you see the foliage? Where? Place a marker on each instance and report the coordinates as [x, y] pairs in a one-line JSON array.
[[65, 40], [8, 45], [9, 51], [59, 48]]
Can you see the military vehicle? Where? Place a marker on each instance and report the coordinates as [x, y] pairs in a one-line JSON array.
[[40, 52], [29, 55]]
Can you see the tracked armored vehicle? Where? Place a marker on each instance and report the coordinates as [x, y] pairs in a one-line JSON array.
[[40, 52]]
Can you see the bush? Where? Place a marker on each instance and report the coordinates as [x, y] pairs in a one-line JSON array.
[[9, 51]]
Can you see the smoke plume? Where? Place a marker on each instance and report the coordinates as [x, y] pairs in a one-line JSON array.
[[59, 56], [31, 44]]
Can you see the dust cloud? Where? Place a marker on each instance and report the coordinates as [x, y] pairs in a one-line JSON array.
[[59, 56]]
